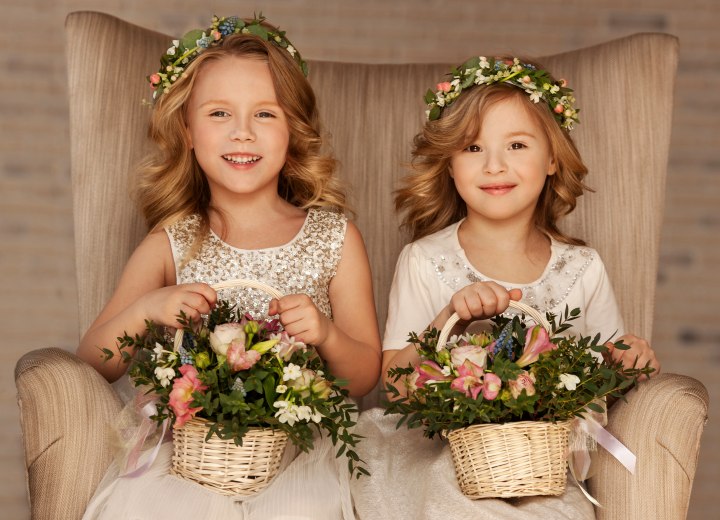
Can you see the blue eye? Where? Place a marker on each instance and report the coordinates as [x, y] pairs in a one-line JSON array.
[[473, 148]]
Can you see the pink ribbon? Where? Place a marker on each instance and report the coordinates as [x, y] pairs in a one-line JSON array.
[[147, 426], [580, 457]]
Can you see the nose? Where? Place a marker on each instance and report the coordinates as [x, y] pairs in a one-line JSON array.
[[242, 130], [494, 162]]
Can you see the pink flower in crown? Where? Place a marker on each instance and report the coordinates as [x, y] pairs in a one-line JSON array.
[[537, 341], [154, 80], [240, 359], [444, 86], [469, 380], [491, 386], [474, 353], [216, 35], [181, 395], [524, 381], [563, 82], [429, 371], [559, 109]]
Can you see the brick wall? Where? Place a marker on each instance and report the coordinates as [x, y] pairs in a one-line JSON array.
[[36, 250]]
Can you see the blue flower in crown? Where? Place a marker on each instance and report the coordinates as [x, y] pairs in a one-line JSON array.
[[204, 42], [227, 26]]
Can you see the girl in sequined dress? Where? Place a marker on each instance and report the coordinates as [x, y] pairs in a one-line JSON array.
[[238, 188], [494, 169]]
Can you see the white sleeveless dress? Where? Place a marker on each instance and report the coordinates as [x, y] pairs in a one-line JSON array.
[[312, 486]]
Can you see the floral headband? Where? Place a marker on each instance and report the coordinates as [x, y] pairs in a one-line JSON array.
[[176, 59], [538, 84]]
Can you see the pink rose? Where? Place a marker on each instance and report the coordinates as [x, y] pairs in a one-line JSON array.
[[558, 109], [181, 395], [537, 341], [240, 359], [155, 79], [444, 86], [525, 381]]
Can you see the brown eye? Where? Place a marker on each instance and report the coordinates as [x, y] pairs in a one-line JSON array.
[[517, 146], [472, 148]]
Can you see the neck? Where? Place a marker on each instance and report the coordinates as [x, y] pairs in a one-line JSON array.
[[510, 235]]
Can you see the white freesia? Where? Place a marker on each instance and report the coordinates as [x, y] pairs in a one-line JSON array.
[[290, 372], [568, 381], [281, 389], [164, 375]]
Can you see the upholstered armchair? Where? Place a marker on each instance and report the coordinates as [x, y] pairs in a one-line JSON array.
[[372, 112]]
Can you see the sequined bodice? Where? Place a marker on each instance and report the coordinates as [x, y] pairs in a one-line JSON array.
[[305, 265]]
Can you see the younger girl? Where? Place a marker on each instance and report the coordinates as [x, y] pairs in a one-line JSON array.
[[495, 169], [239, 188]]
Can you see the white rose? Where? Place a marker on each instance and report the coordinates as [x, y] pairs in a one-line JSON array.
[[224, 334]]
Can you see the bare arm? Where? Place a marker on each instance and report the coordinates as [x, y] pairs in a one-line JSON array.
[[146, 290], [350, 343], [480, 300]]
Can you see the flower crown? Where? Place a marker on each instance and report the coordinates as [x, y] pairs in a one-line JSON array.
[[538, 84], [184, 51]]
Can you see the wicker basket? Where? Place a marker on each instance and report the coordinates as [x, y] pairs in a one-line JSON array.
[[514, 459], [223, 466], [219, 464]]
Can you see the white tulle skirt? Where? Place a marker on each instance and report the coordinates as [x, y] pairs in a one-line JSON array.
[[313, 486], [414, 477]]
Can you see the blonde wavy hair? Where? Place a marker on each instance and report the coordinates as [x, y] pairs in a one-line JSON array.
[[170, 183], [428, 197]]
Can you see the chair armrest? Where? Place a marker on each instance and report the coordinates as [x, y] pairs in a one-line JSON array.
[[661, 423], [65, 409]]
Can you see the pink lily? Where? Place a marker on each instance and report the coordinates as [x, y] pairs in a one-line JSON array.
[[537, 341], [491, 386], [469, 380], [429, 371]]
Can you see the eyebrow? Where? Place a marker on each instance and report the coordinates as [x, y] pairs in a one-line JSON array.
[[226, 102], [521, 133]]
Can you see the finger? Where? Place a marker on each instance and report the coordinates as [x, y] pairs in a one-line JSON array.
[[515, 294], [205, 291], [274, 307], [198, 302]]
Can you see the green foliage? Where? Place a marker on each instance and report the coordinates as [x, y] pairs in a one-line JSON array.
[[288, 388], [441, 403]]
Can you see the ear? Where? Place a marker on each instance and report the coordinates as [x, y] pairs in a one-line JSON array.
[[552, 169]]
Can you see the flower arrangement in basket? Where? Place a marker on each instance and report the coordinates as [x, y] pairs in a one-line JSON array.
[[505, 399], [235, 389]]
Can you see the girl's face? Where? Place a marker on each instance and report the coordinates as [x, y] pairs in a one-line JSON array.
[[501, 174], [237, 129]]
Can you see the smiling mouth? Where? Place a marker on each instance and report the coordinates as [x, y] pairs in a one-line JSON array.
[[499, 189], [242, 159]]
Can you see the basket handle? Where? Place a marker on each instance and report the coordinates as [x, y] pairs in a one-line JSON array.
[[230, 284], [452, 321]]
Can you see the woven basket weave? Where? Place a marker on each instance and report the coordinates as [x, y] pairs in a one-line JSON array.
[[515, 459], [219, 464]]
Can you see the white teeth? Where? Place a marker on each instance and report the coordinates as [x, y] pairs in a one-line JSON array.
[[242, 160]]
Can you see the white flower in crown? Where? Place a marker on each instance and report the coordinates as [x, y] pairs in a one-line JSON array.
[[484, 63], [291, 50], [535, 95], [171, 50]]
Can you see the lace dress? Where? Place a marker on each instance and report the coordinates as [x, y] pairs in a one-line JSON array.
[[415, 475], [313, 485]]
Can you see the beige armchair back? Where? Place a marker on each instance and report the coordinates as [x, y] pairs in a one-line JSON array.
[[624, 89]]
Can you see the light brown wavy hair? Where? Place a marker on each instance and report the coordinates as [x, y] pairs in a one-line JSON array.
[[428, 197], [170, 183]]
